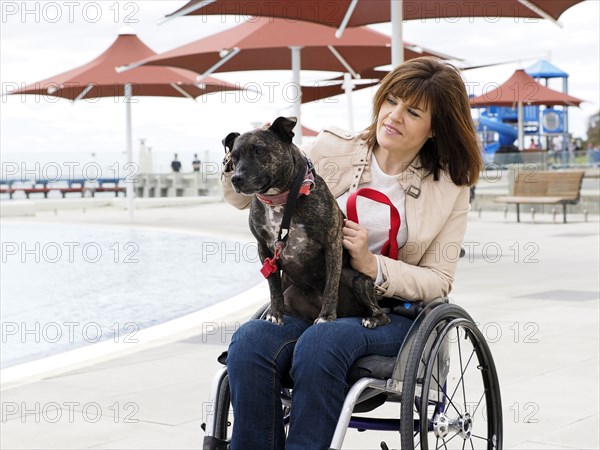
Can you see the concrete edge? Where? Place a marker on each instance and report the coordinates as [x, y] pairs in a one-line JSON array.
[[15, 208]]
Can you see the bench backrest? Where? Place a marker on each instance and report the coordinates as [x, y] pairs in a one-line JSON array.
[[549, 183]]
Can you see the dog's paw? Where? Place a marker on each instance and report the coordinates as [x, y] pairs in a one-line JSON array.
[[369, 322], [376, 321], [275, 319], [324, 319]]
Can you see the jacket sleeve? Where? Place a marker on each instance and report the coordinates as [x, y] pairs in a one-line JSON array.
[[432, 277], [240, 201]]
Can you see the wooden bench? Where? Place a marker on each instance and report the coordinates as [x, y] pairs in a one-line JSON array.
[[77, 186], [114, 186], [37, 187], [545, 187], [6, 188]]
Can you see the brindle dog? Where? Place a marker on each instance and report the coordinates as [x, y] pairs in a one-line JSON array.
[[315, 266]]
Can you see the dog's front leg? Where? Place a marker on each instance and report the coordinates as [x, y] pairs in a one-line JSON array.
[[275, 314], [333, 270]]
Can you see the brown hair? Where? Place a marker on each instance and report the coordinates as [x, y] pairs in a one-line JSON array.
[[438, 86]]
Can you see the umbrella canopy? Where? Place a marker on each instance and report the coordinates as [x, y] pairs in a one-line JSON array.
[[99, 78], [335, 86], [365, 12], [351, 13], [264, 44], [330, 88], [522, 88], [278, 44], [309, 132]]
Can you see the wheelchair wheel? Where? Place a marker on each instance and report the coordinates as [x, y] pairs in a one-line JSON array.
[[262, 312], [450, 394], [222, 412]]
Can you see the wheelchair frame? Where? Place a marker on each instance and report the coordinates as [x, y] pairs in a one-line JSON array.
[[423, 355]]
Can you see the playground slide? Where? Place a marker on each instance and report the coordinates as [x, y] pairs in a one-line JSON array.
[[507, 133]]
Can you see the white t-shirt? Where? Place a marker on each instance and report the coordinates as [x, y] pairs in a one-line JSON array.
[[375, 216]]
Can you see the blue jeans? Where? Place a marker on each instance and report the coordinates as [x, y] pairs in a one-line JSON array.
[[317, 357]]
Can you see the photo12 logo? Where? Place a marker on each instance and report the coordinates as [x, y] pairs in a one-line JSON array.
[[52, 172], [69, 412], [69, 252], [69, 12], [68, 332]]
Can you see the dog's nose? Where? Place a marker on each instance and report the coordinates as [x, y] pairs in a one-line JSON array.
[[236, 179]]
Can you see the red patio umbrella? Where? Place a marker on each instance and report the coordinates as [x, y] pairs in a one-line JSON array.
[[309, 132], [277, 44], [522, 89], [335, 86], [99, 78], [352, 13]]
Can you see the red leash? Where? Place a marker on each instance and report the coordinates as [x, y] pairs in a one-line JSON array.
[[390, 248]]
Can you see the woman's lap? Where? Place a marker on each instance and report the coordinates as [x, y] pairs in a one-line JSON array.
[[317, 357]]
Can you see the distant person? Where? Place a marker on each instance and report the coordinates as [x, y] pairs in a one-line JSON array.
[[557, 147], [196, 163], [532, 145], [176, 164]]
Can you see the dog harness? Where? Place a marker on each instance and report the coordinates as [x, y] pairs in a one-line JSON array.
[[302, 184]]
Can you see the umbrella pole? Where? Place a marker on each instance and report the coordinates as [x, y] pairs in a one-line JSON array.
[[397, 41], [298, 100], [521, 133], [348, 86], [129, 138]]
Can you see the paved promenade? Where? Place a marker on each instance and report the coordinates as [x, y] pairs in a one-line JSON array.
[[533, 287]]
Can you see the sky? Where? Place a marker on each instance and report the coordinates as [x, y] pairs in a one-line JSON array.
[[44, 38]]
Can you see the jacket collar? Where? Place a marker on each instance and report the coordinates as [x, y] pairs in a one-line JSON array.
[[410, 179]]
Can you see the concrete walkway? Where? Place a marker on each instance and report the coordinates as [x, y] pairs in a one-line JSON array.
[[532, 287]]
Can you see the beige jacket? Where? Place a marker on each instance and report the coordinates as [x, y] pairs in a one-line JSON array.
[[436, 215]]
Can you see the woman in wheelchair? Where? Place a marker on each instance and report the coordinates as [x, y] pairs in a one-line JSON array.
[[422, 152]]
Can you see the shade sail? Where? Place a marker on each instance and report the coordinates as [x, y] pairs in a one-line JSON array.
[[520, 87], [264, 44], [332, 12], [98, 78], [351, 13]]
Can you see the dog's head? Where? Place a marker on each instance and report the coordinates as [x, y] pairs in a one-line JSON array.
[[263, 159]]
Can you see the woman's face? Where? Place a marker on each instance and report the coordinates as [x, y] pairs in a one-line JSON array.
[[402, 127]]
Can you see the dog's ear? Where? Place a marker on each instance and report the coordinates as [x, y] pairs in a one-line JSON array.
[[283, 126], [229, 140]]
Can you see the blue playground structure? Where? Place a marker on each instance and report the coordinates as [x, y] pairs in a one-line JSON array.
[[497, 125]]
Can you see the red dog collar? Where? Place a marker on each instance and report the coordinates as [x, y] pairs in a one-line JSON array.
[[281, 198]]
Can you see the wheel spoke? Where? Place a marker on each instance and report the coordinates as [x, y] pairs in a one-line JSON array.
[[461, 365], [438, 377], [479, 437], [479, 403], [461, 380]]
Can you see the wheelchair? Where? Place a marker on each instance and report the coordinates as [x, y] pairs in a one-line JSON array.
[[443, 378]]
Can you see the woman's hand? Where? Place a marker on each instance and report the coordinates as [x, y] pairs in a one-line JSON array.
[[355, 240]]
